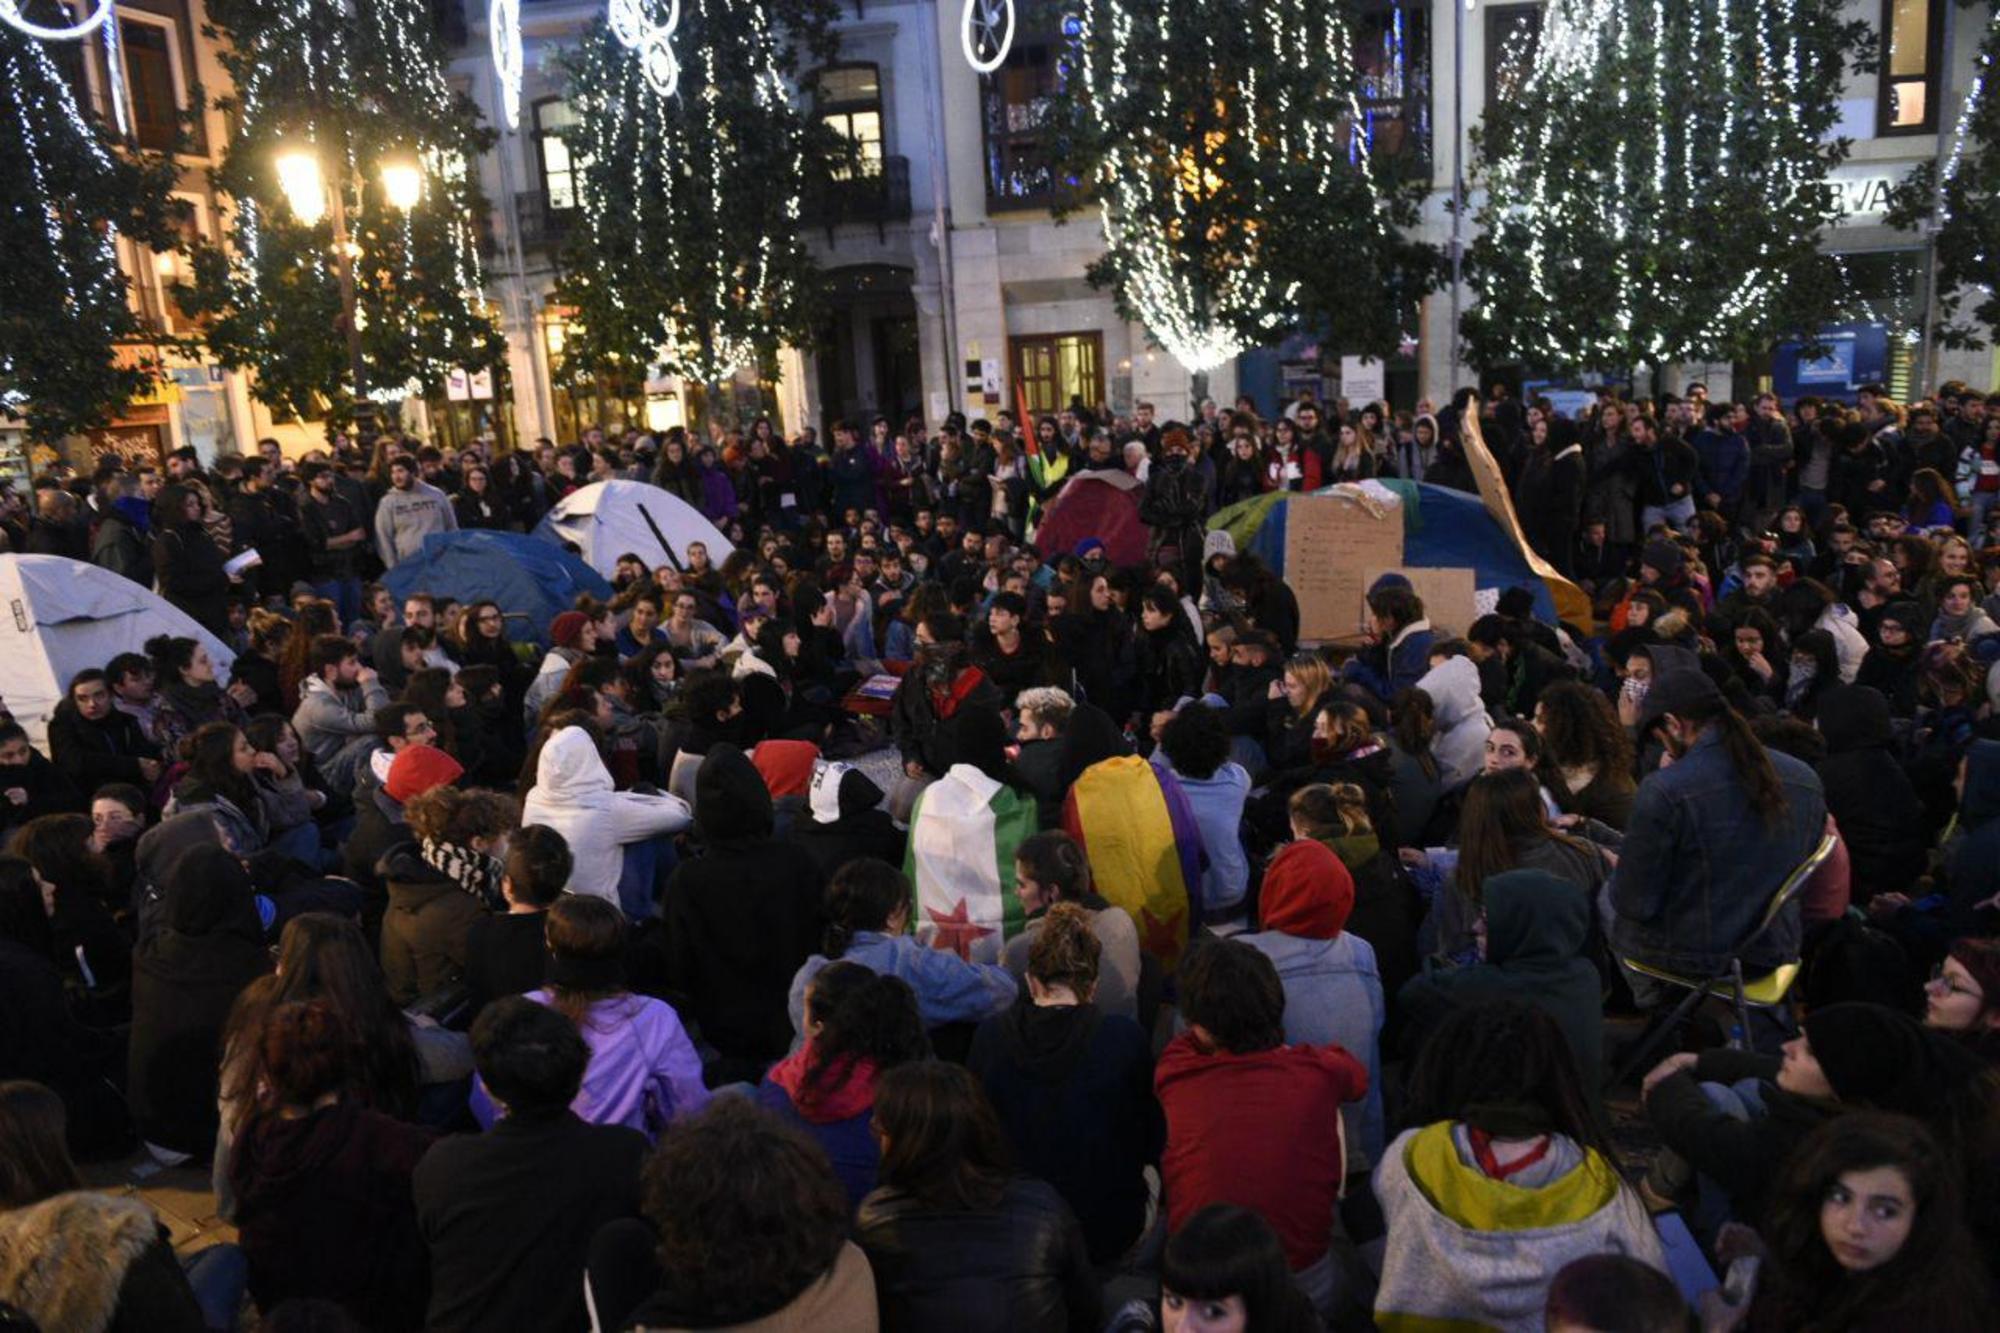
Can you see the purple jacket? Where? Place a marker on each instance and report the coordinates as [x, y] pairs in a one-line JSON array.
[[643, 1069], [718, 495]]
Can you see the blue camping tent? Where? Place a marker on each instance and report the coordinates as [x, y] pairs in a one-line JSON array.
[[533, 581], [1442, 528]]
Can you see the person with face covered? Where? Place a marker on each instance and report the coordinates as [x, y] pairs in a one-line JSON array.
[[941, 684], [1893, 663]]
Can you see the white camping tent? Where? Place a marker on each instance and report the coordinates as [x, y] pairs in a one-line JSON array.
[[59, 616], [606, 519]]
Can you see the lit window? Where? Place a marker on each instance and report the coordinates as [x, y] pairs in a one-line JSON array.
[[1911, 31], [849, 102], [559, 168]]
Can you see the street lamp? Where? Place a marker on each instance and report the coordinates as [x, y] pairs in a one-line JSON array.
[[402, 183], [299, 178]]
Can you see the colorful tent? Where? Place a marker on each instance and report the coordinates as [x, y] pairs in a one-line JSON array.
[[532, 581], [963, 833], [1101, 503], [607, 519], [1442, 528], [1144, 849]]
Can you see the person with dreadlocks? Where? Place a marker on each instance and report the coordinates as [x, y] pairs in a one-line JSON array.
[[1672, 901]]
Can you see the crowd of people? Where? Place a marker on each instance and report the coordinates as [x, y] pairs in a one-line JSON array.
[[1132, 965]]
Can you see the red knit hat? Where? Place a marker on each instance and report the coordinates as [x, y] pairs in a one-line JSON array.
[[419, 769], [1307, 892], [785, 766], [567, 628]]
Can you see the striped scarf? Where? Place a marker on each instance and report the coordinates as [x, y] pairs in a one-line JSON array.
[[474, 872]]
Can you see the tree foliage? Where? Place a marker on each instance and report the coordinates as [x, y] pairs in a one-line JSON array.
[[1967, 229], [688, 254], [1656, 188], [1219, 146], [361, 83], [64, 312]]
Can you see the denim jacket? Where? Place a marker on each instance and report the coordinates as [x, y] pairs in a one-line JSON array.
[[1699, 865]]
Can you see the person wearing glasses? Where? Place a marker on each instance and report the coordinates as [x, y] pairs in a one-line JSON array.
[[1963, 996]]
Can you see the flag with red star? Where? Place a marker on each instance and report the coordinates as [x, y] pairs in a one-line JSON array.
[[1144, 848], [963, 834]]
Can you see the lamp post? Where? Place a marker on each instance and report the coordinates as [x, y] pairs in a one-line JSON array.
[[304, 186]]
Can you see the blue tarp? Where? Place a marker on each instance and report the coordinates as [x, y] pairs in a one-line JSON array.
[[522, 574], [1442, 528]]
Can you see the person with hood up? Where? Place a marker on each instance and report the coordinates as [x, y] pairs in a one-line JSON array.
[[185, 976], [1893, 664], [859, 1025], [574, 795], [1333, 993], [1458, 742], [1505, 1176], [846, 819], [572, 638], [1537, 933], [740, 919], [1972, 867], [1871, 798], [409, 511], [1663, 570], [1073, 1086]]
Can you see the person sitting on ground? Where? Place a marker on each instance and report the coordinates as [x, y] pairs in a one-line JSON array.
[[1195, 745], [1041, 717], [644, 1071], [1865, 1232], [573, 794], [739, 920], [1251, 1120], [955, 1237], [1504, 1176], [1386, 908], [1600, 1291], [859, 1025], [380, 820], [1963, 996], [76, 1258], [868, 920], [507, 953], [1333, 994], [1050, 868], [508, 1215], [322, 1181], [1399, 640], [441, 881], [337, 706], [30, 785], [746, 1228], [1073, 1086], [93, 743], [846, 820]]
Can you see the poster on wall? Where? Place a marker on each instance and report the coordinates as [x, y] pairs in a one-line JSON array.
[[1363, 380]]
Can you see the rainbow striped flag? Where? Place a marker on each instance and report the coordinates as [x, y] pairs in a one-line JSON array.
[[963, 833], [1144, 849]]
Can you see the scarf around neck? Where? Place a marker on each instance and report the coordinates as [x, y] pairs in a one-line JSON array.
[[474, 872]]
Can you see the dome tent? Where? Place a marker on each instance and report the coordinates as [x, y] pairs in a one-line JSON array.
[[532, 581], [607, 519], [60, 616]]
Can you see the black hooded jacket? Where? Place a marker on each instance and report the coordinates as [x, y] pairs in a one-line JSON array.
[[1073, 1088], [861, 827], [1870, 797], [740, 918], [185, 977]]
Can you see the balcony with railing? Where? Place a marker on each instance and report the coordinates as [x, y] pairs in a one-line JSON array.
[[875, 197], [542, 227]]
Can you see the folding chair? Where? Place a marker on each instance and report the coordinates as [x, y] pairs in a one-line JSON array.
[[1763, 992]]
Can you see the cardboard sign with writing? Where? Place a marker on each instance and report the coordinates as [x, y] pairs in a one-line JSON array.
[[1330, 545], [1450, 600]]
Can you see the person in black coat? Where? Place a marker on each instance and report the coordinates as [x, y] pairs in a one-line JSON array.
[[1891, 665], [185, 977], [188, 562], [740, 919], [92, 742], [508, 953], [30, 785], [1170, 661], [956, 1240], [1551, 492], [1073, 1086], [1881, 817], [847, 821], [508, 1215]]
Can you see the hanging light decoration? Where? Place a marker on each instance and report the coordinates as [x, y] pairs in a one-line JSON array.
[[986, 31]]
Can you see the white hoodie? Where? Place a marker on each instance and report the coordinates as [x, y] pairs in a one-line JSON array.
[[1459, 746], [573, 794]]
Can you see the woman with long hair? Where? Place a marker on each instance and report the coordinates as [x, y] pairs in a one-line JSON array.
[[956, 1238], [221, 776], [1756, 656], [187, 561], [1505, 826], [441, 880], [1586, 754], [257, 667], [1096, 639], [316, 619], [859, 1025], [1864, 1232], [1501, 1127], [1295, 704], [289, 781], [1931, 502], [644, 1071], [84, 939], [189, 694]]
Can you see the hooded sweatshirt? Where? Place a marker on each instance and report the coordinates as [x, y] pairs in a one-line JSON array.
[[1333, 993], [1459, 745], [846, 820], [327, 719], [1073, 1087], [1871, 798], [1537, 928], [836, 1111], [741, 918], [185, 977], [573, 795]]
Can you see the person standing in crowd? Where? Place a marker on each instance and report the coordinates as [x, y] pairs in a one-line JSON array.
[[409, 511]]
